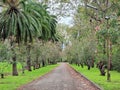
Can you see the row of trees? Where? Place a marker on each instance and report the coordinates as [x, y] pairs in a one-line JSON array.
[[95, 36], [40, 55], [25, 28]]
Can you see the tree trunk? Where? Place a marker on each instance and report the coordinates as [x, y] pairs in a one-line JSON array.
[[92, 62], [108, 55], [48, 61], [34, 66], [28, 58], [102, 70], [88, 64], [110, 62], [43, 63], [14, 66], [29, 64], [39, 65], [88, 67], [101, 67], [2, 75], [23, 69], [36, 63], [81, 65], [104, 47]]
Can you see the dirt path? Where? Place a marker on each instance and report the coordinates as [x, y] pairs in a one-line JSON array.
[[62, 78]]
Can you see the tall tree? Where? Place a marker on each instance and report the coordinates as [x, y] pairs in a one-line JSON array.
[[23, 20]]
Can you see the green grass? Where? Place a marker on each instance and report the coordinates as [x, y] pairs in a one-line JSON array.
[[7, 67], [13, 82], [94, 75]]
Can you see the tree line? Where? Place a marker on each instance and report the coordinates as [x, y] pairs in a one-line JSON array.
[[27, 35], [95, 36]]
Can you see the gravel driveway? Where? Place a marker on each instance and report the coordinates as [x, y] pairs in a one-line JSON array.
[[61, 78]]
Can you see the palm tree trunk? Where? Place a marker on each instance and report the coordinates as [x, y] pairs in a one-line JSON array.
[[14, 64], [29, 64], [29, 58]]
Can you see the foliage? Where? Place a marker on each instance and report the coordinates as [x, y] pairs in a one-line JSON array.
[[3, 52], [116, 61], [22, 22], [94, 13], [4, 56]]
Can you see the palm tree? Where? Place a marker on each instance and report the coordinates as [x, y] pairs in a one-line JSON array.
[[46, 22], [17, 25], [23, 20], [16, 22]]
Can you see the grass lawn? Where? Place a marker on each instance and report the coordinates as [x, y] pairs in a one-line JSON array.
[[13, 82], [94, 75]]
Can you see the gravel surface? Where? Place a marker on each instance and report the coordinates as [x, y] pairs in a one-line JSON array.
[[61, 78]]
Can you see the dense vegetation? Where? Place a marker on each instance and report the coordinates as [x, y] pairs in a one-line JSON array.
[[27, 35], [95, 36]]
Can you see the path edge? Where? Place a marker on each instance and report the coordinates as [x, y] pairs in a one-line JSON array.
[[38, 78], [94, 84]]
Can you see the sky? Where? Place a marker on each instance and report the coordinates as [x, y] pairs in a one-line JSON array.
[[66, 20], [64, 11]]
